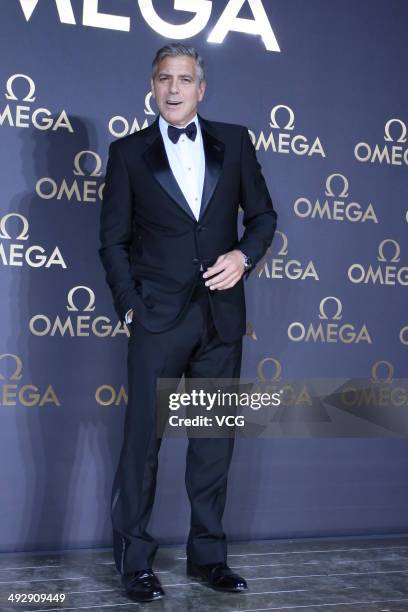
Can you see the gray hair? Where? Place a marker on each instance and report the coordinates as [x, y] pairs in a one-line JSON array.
[[175, 49]]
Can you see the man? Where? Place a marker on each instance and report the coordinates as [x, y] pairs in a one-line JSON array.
[[175, 266]]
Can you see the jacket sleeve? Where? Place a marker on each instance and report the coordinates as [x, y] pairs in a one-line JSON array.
[[115, 232], [260, 218]]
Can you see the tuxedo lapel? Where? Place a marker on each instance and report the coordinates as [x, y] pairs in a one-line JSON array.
[[214, 157], [156, 158]]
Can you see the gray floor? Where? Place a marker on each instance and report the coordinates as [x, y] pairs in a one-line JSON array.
[[308, 574]]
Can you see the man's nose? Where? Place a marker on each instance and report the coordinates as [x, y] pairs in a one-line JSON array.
[[173, 87]]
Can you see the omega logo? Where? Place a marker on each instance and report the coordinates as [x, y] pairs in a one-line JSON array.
[[14, 393], [106, 395], [14, 254], [389, 371], [291, 394], [228, 21], [120, 126], [278, 267], [389, 275], [21, 116], [87, 190], [382, 393], [392, 154], [281, 140], [328, 332], [77, 325], [335, 209]]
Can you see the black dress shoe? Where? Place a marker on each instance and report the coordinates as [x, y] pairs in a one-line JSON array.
[[143, 585], [218, 576]]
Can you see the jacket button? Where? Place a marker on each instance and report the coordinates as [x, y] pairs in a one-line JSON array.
[[196, 261]]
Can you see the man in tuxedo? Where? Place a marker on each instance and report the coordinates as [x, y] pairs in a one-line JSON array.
[[175, 266]]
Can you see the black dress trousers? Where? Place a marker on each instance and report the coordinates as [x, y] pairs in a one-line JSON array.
[[193, 348]]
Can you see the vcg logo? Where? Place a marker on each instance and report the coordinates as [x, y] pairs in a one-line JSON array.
[[284, 266], [77, 325], [386, 272], [382, 391], [18, 253], [228, 21], [21, 88], [14, 392], [336, 206], [121, 126], [331, 329], [394, 152], [283, 138], [87, 187], [106, 395]]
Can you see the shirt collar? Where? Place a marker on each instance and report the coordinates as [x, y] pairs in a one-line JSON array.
[[163, 124]]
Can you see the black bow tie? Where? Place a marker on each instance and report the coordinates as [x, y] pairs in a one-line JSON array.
[[175, 133]]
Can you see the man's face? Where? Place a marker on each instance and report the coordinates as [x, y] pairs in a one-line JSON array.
[[176, 89]]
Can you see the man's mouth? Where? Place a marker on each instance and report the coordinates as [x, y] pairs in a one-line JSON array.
[[171, 103]]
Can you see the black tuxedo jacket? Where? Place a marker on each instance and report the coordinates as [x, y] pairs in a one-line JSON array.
[[152, 246]]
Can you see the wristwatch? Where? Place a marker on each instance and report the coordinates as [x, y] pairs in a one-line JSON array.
[[247, 261]]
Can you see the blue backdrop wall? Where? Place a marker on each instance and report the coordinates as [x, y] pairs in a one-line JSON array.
[[321, 87]]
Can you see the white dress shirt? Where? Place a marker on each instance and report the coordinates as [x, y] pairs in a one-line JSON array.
[[187, 162], [186, 159]]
